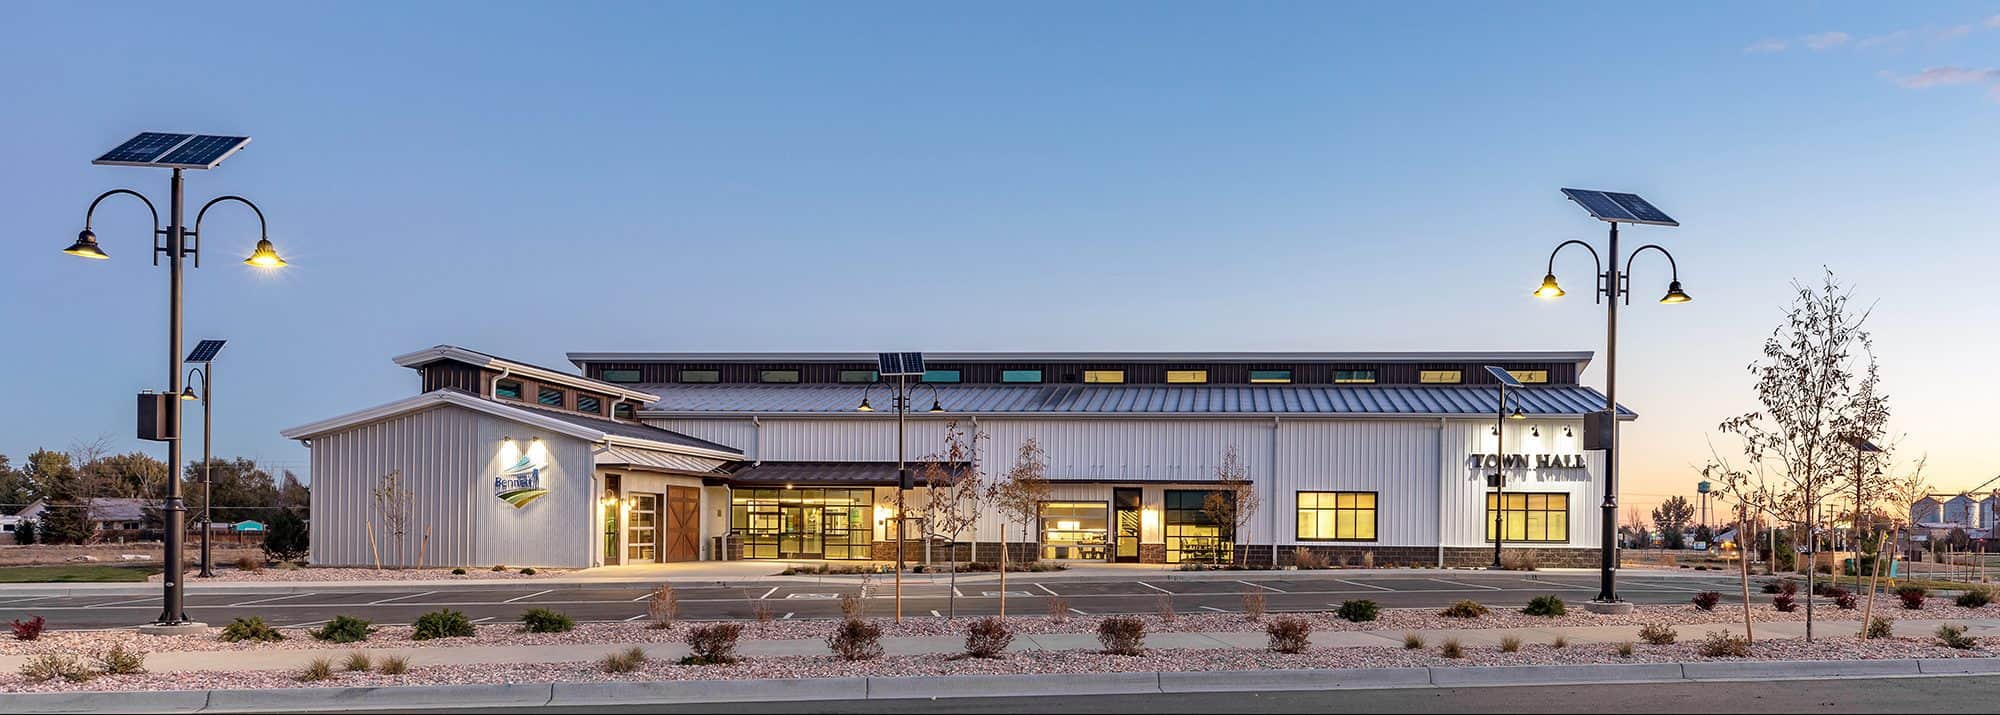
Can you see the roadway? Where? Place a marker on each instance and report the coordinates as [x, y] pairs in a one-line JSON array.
[[1139, 593]]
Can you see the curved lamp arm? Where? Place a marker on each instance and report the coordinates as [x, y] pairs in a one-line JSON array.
[[88, 213], [1594, 258], [197, 370], [263, 230], [1549, 287], [1674, 293], [937, 403]]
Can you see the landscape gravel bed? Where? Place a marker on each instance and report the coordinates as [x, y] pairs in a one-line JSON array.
[[1205, 660], [293, 575], [1392, 620]]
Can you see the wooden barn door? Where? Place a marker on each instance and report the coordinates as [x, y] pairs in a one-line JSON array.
[[683, 533]]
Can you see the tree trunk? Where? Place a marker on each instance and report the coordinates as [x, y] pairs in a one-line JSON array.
[[1003, 572], [1874, 582], [1743, 564]]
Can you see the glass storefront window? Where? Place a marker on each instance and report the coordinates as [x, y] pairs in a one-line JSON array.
[[1076, 531], [1535, 518], [1191, 534], [803, 523]]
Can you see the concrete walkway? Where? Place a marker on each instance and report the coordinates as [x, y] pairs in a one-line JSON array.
[[286, 659]]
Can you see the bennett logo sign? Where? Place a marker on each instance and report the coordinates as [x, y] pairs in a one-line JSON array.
[[521, 483], [1543, 467]]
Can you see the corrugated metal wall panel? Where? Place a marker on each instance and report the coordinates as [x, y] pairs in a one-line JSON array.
[[347, 467], [1398, 460], [1467, 502]]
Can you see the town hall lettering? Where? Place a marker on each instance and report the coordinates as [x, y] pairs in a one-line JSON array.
[[1535, 467]]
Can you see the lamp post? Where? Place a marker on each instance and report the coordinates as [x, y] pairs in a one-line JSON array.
[[900, 399], [1861, 446], [172, 241], [1613, 284], [203, 356], [1499, 476]]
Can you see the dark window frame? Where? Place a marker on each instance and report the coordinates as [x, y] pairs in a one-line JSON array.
[[596, 404], [957, 376], [1286, 380], [1007, 375], [685, 373], [870, 377], [764, 376], [1353, 376], [542, 393], [1493, 496], [617, 375], [1375, 515], [520, 390]]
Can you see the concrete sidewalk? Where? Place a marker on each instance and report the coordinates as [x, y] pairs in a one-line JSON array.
[[287, 659]]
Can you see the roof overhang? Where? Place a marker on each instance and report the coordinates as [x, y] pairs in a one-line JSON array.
[[1581, 357], [440, 398], [479, 359]]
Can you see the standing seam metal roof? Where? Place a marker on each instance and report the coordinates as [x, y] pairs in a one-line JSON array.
[[1556, 400]]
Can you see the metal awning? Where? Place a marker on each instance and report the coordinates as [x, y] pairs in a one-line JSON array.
[[621, 456]]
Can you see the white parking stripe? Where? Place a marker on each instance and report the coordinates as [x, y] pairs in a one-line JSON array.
[[1467, 585], [634, 618], [399, 598], [1212, 608], [1046, 589], [1078, 611], [786, 617], [483, 620], [767, 594], [304, 625], [1151, 586], [122, 603], [935, 614], [1363, 585], [268, 600], [532, 595], [1262, 586]]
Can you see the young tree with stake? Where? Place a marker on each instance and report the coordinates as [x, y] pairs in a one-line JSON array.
[[1233, 502], [1018, 498], [954, 487]]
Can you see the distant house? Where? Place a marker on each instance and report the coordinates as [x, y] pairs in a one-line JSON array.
[[1962, 510], [116, 519], [1928, 510], [247, 527], [9, 524]]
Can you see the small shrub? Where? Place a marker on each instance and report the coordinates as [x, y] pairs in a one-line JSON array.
[[1723, 645], [1122, 635], [1974, 597], [758, 610], [444, 623], [358, 661], [1163, 604], [1549, 606], [1773, 586], [497, 568], [1559, 643], [1658, 634], [458, 571], [1955, 637], [1706, 600], [1465, 609], [664, 607], [713, 643], [1305, 559], [527, 572], [319, 669], [53, 666], [1289, 634], [1912, 597], [393, 665], [1367, 559], [1845, 601], [1253, 604], [852, 605], [250, 629], [120, 660], [1785, 602], [629, 660], [1880, 627], [1521, 561], [1624, 649], [1510, 644], [1358, 611], [542, 620], [249, 563], [1451, 648], [856, 639], [29, 629], [1412, 641], [1059, 609], [987, 638], [343, 629]]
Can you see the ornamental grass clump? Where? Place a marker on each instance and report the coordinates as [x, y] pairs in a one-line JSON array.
[[120, 660], [1465, 609], [1954, 637], [319, 669], [1723, 645], [1412, 641], [1452, 649], [358, 661], [1548, 606], [1624, 650], [1658, 634], [1510, 644], [664, 607], [393, 665], [1122, 635], [1358, 611], [55, 666], [1253, 604], [629, 660], [1289, 634]]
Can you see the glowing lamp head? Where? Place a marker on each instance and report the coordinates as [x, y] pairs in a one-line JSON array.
[[1549, 289], [86, 246], [865, 407], [265, 256], [1517, 415], [936, 407], [187, 393], [1675, 294]]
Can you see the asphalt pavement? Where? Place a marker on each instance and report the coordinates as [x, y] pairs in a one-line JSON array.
[[1138, 593]]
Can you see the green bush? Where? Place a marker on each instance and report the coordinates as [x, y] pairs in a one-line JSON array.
[[344, 629], [445, 623], [1358, 611], [1955, 637], [120, 660], [1974, 597], [1880, 627], [460, 571], [250, 629], [286, 537], [1550, 606], [542, 620], [527, 572], [1465, 609]]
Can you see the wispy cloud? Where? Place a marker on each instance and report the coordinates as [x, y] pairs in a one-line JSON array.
[[1946, 76], [1825, 40], [1993, 22], [1765, 46]]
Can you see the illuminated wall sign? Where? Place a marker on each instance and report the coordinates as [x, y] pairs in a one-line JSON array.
[[1529, 467], [522, 483]]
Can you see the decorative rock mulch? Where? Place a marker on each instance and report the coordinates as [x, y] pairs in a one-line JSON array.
[[1024, 663], [1392, 620], [293, 575]]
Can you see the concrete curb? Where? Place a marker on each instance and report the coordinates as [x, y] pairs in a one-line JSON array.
[[684, 692]]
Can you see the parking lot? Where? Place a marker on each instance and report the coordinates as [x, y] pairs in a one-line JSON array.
[[1138, 593]]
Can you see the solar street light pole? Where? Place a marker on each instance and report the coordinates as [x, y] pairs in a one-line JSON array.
[[1499, 475], [207, 465]]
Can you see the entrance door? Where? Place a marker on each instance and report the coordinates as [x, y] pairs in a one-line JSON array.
[[801, 538], [1126, 529], [642, 530], [683, 538]]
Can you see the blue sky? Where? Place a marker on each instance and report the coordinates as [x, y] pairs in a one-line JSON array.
[[534, 178]]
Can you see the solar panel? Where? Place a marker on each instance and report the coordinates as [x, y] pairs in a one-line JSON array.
[[893, 364], [142, 149], [1505, 377], [205, 351], [1619, 208], [174, 151]]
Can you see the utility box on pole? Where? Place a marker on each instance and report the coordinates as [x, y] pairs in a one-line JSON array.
[[155, 418], [1597, 430]]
